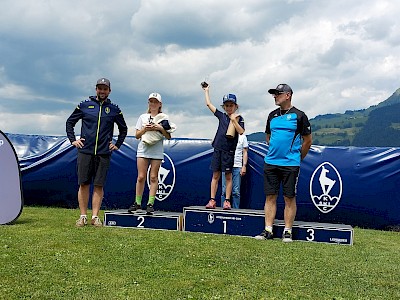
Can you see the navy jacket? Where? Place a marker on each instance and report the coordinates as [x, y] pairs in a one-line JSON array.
[[97, 125]]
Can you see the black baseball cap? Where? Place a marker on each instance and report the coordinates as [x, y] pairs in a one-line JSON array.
[[281, 88]]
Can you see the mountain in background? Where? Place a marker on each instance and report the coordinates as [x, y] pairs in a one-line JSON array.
[[376, 126]]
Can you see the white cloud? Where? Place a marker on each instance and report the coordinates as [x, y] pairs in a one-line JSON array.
[[337, 56], [28, 123]]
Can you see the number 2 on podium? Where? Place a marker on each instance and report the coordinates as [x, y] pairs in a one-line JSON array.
[[141, 221]]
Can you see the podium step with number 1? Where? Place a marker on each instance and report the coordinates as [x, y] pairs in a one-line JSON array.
[[248, 222]]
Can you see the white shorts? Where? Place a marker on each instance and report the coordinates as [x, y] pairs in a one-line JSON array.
[[155, 151]]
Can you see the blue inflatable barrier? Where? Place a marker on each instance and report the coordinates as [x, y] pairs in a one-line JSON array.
[[343, 185]]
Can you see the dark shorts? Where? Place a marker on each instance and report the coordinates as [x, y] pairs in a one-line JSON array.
[[222, 161], [92, 168], [274, 176]]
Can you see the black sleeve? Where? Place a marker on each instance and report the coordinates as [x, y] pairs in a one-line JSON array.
[[70, 124], [267, 126], [305, 126], [241, 122], [122, 128]]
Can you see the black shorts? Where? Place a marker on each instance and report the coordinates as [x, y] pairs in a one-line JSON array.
[[92, 168], [222, 161], [274, 176]]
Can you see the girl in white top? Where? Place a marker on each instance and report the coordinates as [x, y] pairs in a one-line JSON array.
[[149, 154]]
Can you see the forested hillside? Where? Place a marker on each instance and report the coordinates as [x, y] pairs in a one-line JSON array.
[[381, 129]]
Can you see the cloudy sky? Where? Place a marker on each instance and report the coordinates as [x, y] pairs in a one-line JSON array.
[[337, 55]]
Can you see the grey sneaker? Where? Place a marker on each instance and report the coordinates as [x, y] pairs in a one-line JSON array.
[[82, 221], [96, 222], [287, 237], [149, 209], [265, 235]]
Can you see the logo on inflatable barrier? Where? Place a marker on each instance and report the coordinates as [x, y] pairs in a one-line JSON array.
[[210, 218], [326, 187], [166, 178]]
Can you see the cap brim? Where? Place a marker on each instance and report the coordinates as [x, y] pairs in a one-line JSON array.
[[272, 91], [231, 101]]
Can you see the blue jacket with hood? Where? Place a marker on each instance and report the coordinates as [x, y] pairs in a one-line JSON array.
[[97, 128]]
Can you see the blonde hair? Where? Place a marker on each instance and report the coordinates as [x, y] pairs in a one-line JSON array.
[[159, 109]]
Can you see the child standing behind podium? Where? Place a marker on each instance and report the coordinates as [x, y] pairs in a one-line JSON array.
[[224, 147], [239, 170]]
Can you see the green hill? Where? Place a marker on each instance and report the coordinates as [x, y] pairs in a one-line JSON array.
[[376, 126], [382, 128]]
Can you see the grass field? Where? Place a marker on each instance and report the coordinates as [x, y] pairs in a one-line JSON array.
[[44, 256]]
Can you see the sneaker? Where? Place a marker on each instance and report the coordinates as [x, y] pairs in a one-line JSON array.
[[134, 207], [265, 235], [287, 237], [149, 209], [211, 204], [227, 205], [96, 222], [82, 221]]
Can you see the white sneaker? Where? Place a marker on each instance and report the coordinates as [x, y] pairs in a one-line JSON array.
[[287, 237], [82, 221], [96, 222]]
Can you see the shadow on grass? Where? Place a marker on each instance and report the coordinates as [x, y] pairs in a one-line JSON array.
[[21, 221]]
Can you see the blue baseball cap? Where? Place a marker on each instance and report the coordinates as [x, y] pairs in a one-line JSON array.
[[229, 97]]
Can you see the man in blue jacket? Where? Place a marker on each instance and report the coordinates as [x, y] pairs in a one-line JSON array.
[[95, 145]]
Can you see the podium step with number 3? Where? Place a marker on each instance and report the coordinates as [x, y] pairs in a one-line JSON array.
[[247, 222]]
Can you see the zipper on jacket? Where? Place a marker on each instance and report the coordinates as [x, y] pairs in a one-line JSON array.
[[98, 128]]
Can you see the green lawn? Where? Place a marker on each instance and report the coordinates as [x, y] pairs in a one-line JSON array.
[[44, 256]]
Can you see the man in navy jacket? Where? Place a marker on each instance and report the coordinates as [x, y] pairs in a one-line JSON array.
[[95, 145]]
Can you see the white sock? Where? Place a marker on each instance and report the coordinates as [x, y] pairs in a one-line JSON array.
[[93, 217], [268, 228], [287, 229], [84, 216]]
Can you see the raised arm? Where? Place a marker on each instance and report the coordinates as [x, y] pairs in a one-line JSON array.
[[208, 101]]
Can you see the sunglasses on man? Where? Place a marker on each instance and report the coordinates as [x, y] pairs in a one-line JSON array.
[[279, 93]]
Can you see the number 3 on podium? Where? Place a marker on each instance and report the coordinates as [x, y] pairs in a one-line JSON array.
[[311, 235]]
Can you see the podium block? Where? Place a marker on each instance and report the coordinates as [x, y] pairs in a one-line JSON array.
[[158, 220], [247, 222], [234, 222]]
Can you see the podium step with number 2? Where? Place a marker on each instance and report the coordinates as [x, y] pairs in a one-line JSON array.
[[158, 220]]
